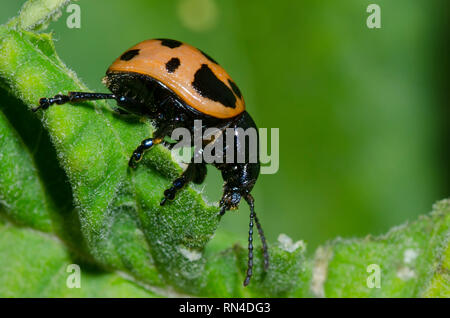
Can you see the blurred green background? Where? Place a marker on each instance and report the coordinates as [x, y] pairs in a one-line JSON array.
[[363, 113]]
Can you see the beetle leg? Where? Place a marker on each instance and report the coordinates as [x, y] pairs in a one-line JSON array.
[[139, 151], [200, 173], [195, 172], [169, 145], [158, 137], [59, 99]]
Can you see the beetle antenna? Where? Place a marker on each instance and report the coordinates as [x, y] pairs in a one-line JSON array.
[[250, 247], [264, 243], [251, 203]]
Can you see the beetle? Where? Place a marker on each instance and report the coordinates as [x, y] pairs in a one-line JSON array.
[[174, 83]]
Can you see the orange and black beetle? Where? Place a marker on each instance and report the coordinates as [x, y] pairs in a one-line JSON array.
[[174, 84]]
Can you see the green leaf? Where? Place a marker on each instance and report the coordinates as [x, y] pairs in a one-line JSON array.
[[38, 265], [413, 259], [22, 194], [36, 14], [115, 224]]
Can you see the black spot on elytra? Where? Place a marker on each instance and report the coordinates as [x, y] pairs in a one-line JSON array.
[[172, 65], [170, 43], [236, 89], [208, 57], [128, 55], [209, 86]]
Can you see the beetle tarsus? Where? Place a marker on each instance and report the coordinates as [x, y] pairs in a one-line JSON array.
[[60, 99], [223, 209], [139, 152], [135, 157]]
